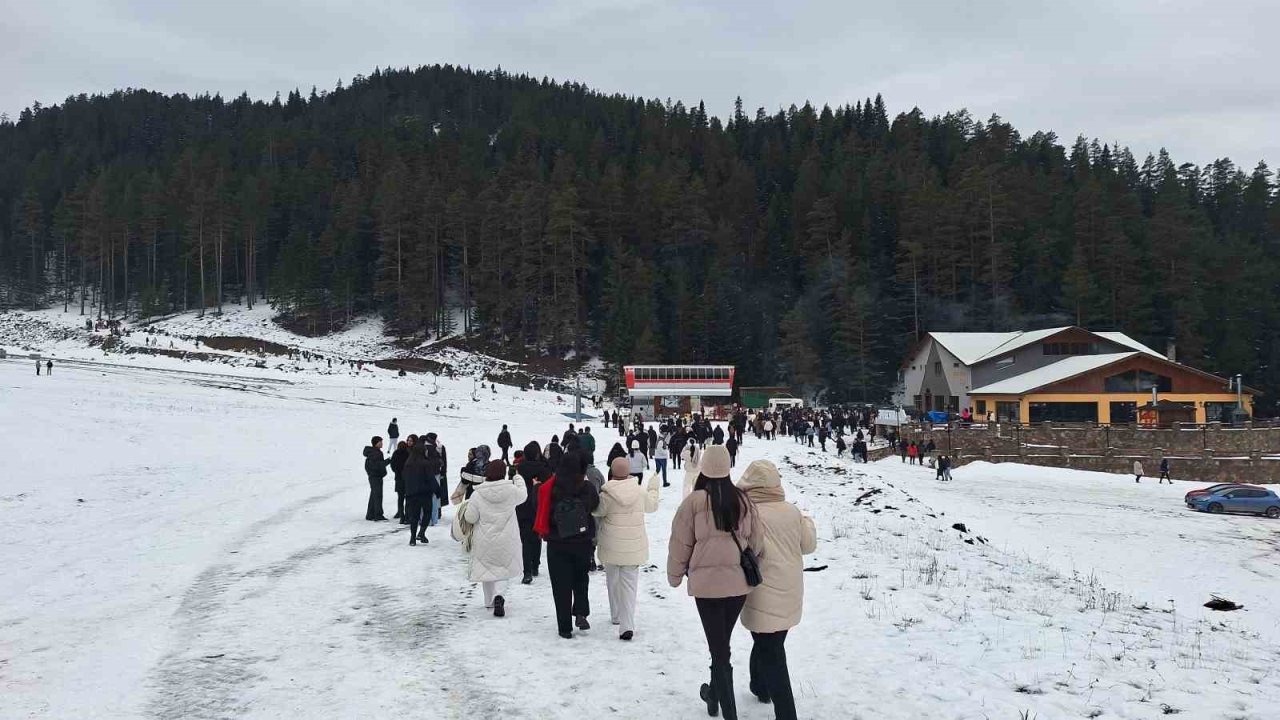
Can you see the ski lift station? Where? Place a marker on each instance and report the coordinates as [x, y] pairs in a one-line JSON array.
[[657, 390]]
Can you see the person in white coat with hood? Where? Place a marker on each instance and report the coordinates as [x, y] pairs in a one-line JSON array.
[[621, 541], [495, 535], [690, 457], [775, 606]]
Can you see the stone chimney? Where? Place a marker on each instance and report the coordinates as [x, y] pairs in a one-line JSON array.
[[1171, 350]]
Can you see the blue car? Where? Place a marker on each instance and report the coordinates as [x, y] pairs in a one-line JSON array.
[[1238, 499]]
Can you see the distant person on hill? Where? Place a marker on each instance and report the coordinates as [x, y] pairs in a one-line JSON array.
[[375, 466], [504, 442], [732, 446], [913, 452], [48, 368], [37, 367], [660, 455], [1137, 471], [393, 434], [1164, 471]]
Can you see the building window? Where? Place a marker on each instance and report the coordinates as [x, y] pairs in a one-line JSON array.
[[955, 365], [1064, 412], [1135, 381], [1008, 412], [937, 368], [1124, 412], [1070, 348], [982, 408], [917, 402], [1004, 362]]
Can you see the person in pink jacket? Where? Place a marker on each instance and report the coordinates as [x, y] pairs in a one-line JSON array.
[[710, 526], [775, 606]]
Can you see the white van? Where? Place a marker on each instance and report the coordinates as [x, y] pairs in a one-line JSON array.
[[783, 403]]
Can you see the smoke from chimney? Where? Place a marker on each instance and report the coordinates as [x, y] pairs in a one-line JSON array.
[[1171, 350]]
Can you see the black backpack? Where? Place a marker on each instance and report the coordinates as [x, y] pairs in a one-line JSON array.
[[570, 517]]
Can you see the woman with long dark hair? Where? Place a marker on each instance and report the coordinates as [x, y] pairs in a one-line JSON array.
[[565, 504], [712, 527]]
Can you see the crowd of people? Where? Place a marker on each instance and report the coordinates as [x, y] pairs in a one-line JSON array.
[[737, 547]]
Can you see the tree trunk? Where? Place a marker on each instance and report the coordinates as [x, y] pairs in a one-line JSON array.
[[200, 243]]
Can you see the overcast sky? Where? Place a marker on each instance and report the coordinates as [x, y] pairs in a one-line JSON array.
[[1195, 76]]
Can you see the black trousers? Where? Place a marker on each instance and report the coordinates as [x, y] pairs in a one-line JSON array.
[[769, 674], [399, 504], [416, 509], [568, 569], [531, 548], [505, 450], [375, 500], [718, 616]]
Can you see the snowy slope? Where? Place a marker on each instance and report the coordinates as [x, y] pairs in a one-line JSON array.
[[186, 540]]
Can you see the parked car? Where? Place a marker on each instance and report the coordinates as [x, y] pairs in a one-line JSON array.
[[1191, 494], [1239, 499]]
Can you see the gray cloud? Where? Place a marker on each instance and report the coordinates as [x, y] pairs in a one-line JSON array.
[[1190, 75]]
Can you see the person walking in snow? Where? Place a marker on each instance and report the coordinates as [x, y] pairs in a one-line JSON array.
[[48, 368], [495, 534], [393, 435], [533, 469], [710, 530], [37, 367], [504, 443], [398, 459], [639, 462], [1164, 471], [421, 490], [690, 457], [660, 455], [587, 445], [1137, 471], [732, 446], [375, 466], [775, 606], [565, 504], [615, 452], [472, 473], [621, 541], [442, 478]]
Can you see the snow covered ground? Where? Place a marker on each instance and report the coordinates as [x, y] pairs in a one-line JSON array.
[[186, 540]]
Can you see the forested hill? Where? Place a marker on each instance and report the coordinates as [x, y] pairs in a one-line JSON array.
[[809, 245]]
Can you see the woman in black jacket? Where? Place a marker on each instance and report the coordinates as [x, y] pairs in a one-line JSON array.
[[421, 471], [534, 469], [569, 549], [398, 459]]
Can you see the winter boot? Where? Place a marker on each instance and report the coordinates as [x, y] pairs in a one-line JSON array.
[[723, 680], [528, 579], [413, 540], [499, 606], [422, 536], [582, 623], [708, 694]]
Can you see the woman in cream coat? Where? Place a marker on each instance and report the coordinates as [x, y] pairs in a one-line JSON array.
[[690, 457], [775, 606], [495, 538], [621, 542]]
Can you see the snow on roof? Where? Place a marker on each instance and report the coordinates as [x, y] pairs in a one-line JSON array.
[[969, 347], [1122, 339], [1065, 368], [1022, 339]]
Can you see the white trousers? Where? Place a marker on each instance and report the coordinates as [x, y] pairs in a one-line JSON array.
[[623, 582], [492, 589]]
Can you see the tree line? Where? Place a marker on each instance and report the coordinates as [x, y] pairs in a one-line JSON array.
[[810, 246]]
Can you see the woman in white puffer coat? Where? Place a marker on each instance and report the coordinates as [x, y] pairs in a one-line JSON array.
[[690, 457], [775, 606], [621, 541], [495, 535]]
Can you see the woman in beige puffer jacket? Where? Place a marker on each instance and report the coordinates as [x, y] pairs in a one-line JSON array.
[[621, 541], [712, 523], [775, 606]]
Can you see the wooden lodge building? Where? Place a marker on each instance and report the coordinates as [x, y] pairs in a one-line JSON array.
[[1065, 374]]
